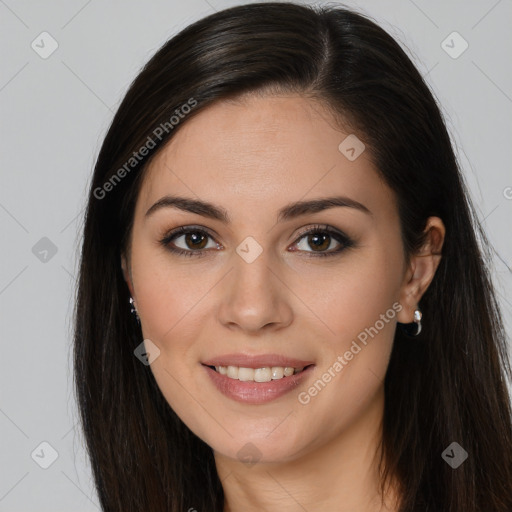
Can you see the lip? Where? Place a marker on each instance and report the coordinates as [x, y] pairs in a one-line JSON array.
[[249, 392], [256, 361]]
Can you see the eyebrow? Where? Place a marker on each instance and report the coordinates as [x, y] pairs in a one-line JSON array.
[[290, 211]]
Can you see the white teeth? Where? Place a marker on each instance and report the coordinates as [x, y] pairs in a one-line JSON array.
[[265, 374], [277, 372], [245, 374], [288, 371], [232, 372]]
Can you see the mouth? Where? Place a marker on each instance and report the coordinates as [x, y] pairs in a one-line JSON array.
[[259, 379], [263, 374]]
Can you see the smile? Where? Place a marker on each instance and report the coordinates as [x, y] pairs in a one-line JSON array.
[[265, 374], [256, 385]]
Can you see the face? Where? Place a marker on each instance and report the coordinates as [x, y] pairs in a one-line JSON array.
[[271, 285]]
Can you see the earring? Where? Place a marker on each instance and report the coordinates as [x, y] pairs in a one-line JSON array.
[[134, 310], [413, 328]]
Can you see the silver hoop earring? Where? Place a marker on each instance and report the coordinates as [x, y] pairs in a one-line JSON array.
[[134, 310], [413, 328]]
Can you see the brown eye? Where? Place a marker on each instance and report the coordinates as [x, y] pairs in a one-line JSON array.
[[188, 241], [194, 240], [319, 241], [322, 238]]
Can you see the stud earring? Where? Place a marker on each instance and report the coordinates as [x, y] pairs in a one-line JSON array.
[[134, 310], [413, 328]]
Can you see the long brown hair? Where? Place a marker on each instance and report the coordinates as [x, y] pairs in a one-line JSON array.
[[449, 384]]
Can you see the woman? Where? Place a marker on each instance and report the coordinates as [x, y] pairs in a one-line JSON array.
[[282, 302]]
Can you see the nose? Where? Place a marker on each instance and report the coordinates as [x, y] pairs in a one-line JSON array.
[[255, 297]]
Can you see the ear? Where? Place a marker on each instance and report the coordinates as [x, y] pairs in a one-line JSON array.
[[126, 273], [421, 270]]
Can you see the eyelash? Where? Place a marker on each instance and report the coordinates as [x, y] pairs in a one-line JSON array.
[[341, 238]]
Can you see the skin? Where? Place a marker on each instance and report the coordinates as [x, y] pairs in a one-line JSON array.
[[252, 157]]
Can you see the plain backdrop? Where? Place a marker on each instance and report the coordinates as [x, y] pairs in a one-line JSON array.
[[54, 114]]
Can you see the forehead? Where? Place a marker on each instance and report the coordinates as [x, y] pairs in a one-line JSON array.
[[260, 151]]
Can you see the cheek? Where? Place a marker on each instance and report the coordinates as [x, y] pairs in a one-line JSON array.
[[359, 307], [166, 292], [356, 296], [169, 305]]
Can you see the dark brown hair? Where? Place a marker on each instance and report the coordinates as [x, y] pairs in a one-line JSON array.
[[448, 384]]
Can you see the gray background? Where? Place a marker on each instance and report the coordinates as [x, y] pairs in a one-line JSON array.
[[55, 112]]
